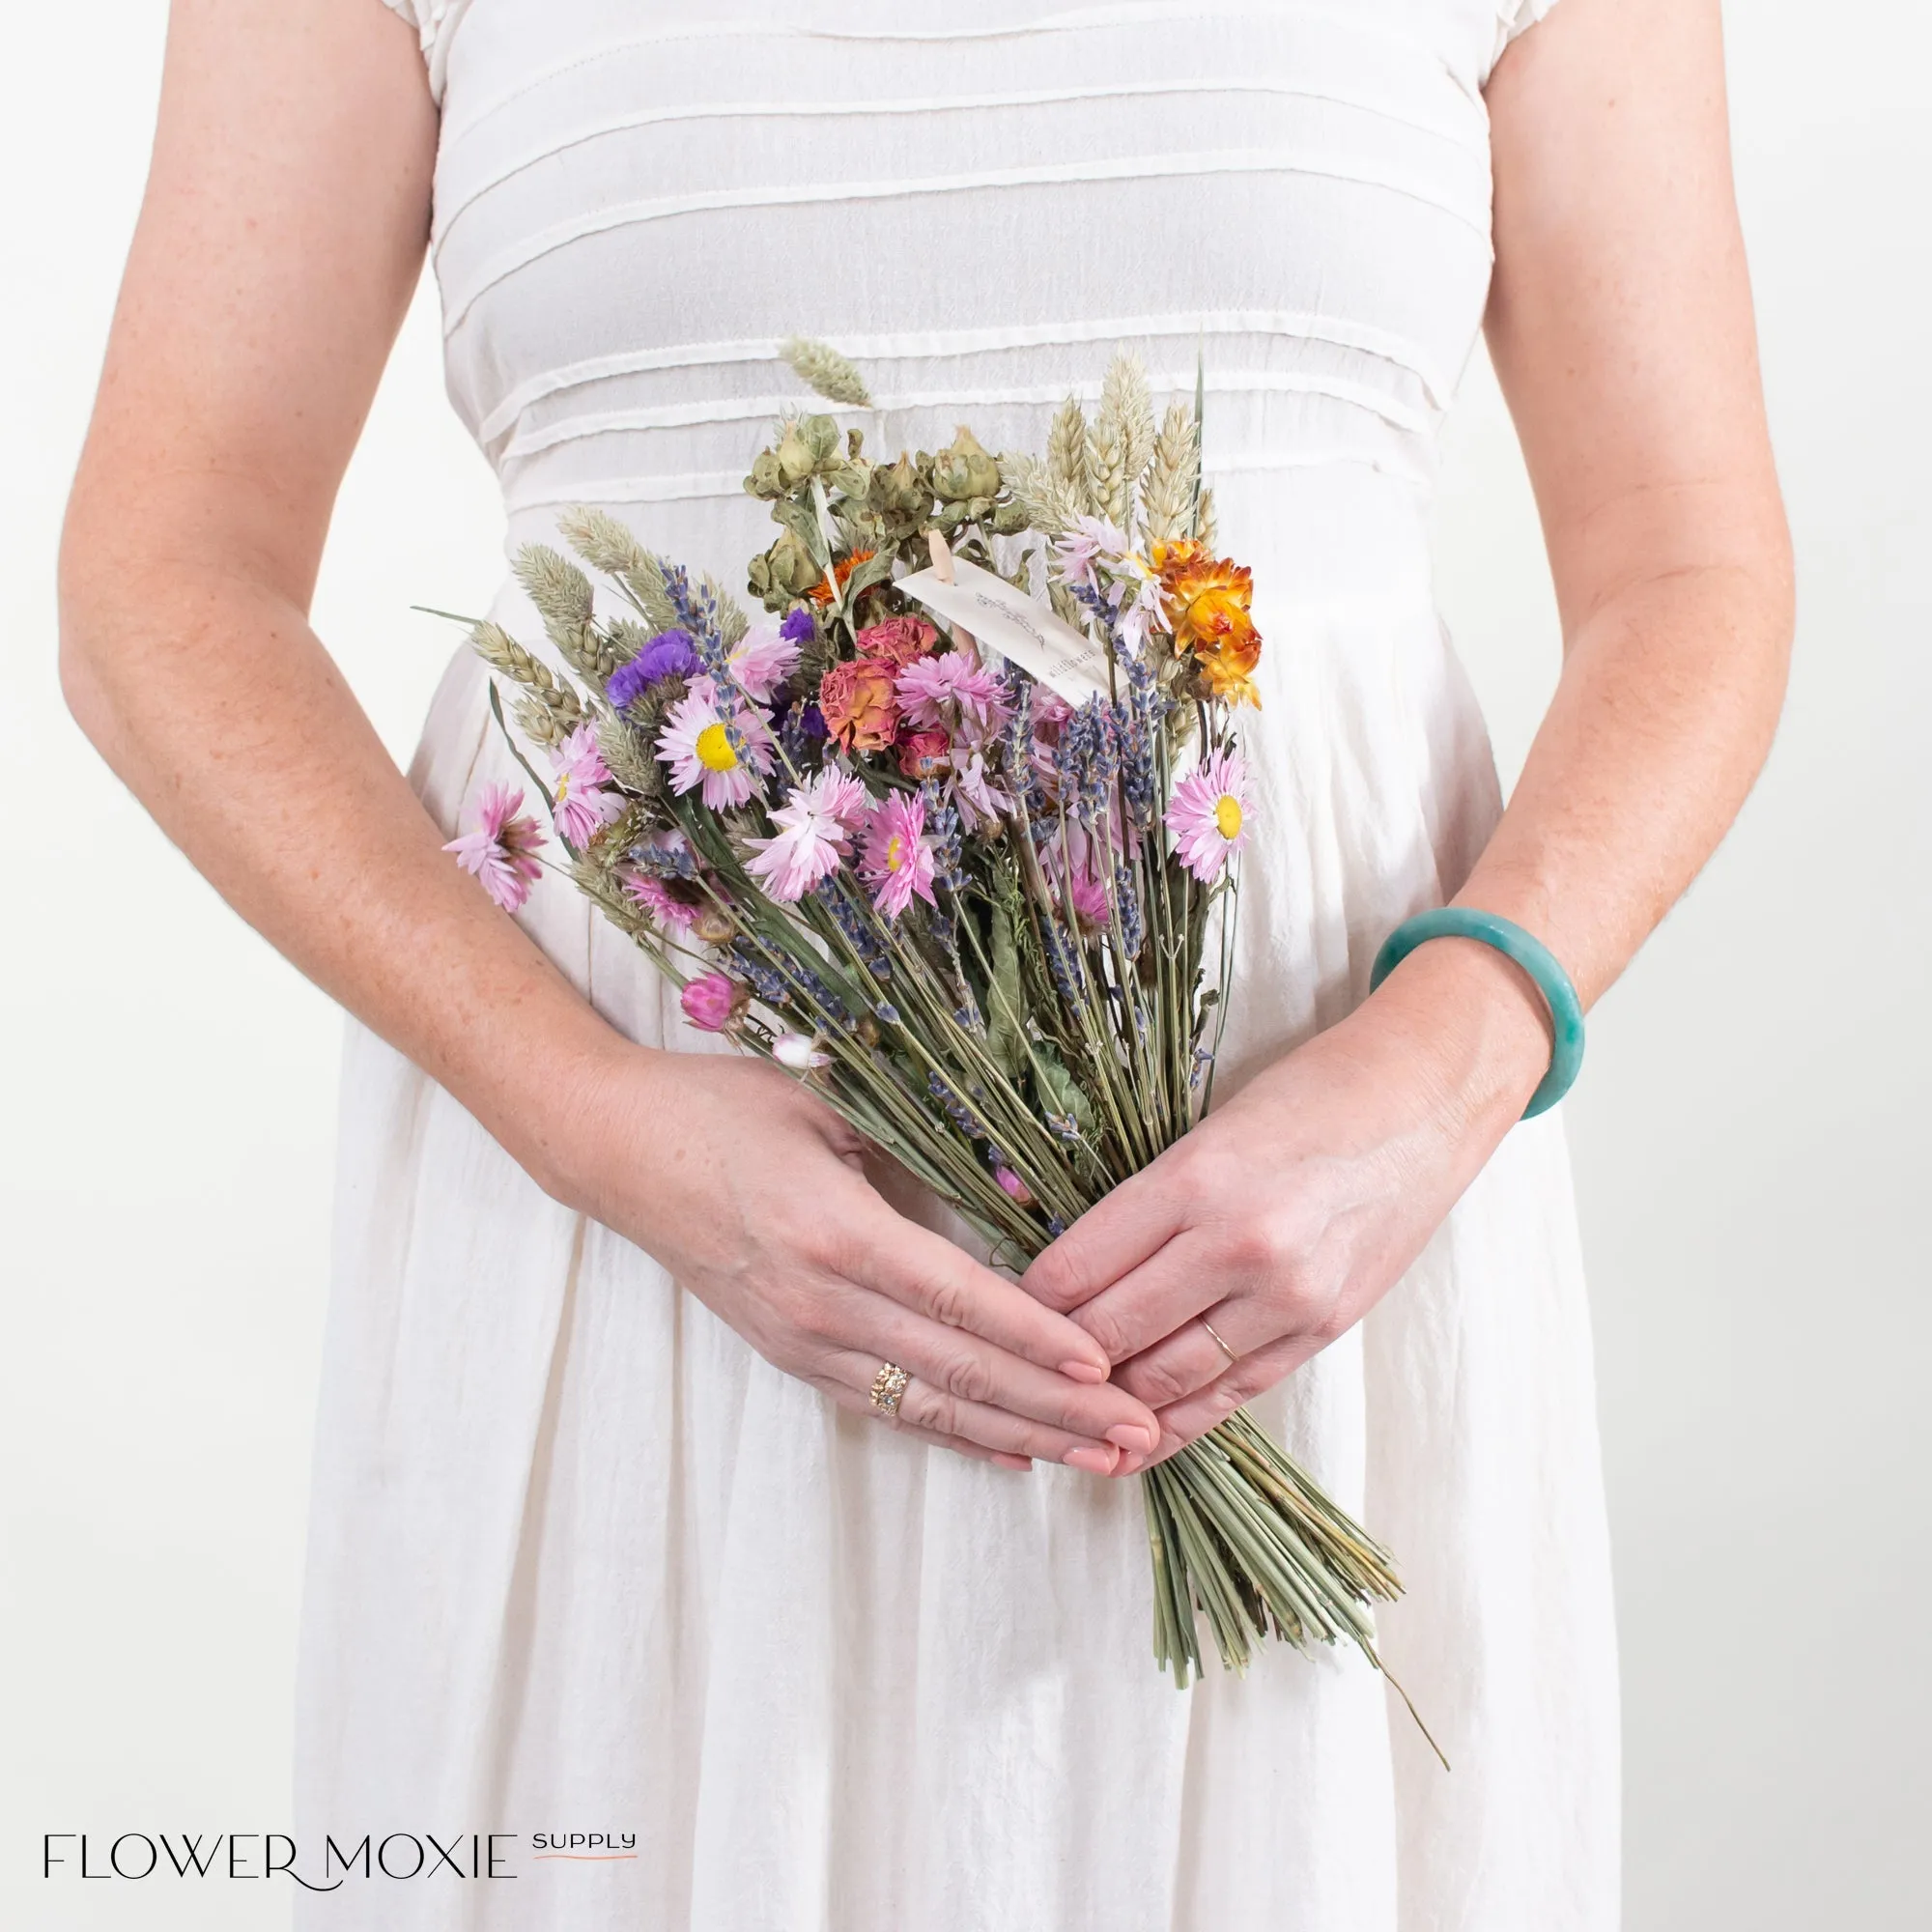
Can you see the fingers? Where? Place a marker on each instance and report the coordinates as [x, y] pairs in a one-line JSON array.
[[926, 1273], [1194, 1415], [926, 1405], [1188, 1357], [850, 1399], [1119, 1233], [963, 1365], [1149, 1302]]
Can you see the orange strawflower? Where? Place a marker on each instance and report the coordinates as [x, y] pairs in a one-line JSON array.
[[821, 591], [1208, 604]]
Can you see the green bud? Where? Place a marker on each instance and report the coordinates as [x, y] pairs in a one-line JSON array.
[[964, 471], [767, 477]]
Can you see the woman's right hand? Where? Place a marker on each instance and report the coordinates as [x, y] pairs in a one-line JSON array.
[[751, 1194]]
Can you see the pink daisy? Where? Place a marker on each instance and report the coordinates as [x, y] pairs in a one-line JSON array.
[[815, 836], [980, 800], [762, 660], [662, 903], [726, 752], [582, 804], [1082, 546], [898, 856], [1209, 813], [952, 692], [501, 851]]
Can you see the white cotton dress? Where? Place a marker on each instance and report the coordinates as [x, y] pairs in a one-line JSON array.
[[582, 1560]]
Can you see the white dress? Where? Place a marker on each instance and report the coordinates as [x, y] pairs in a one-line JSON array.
[[581, 1561]]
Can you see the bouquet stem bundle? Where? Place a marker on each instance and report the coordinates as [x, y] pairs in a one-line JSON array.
[[976, 886]]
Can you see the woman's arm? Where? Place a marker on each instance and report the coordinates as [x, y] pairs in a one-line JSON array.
[[1620, 323], [281, 236]]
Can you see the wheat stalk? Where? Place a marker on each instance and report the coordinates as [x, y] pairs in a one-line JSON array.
[[822, 368], [1167, 491]]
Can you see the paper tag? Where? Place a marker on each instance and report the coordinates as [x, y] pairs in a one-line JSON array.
[[1003, 616]]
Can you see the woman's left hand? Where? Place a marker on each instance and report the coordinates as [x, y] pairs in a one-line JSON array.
[[1292, 1209]]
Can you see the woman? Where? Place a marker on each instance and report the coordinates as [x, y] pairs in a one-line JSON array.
[[604, 1536]]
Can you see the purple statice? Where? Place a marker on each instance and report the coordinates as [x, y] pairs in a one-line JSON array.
[[798, 627], [669, 654]]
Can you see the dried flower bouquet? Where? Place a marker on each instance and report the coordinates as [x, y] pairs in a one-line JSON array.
[[955, 839]]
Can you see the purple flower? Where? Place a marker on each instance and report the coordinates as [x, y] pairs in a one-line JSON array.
[[671, 655], [798, 627], [812, 721]]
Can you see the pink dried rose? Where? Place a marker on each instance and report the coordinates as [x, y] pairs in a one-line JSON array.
[[858, 705], [925, 754], [712, 1002], [897, 642]]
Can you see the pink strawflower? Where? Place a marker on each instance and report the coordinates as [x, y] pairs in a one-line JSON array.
[[813, 838], [762, 660], [952, 692], [1049, 714], [662, 903], [898, 856], [1209, 813], [501, 851], [800, 1052], [584, 806], [712, 1002], [1010, 1183], [721, 746], [836, 794]]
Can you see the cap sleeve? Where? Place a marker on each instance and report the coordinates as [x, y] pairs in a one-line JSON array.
[[435, 21], [1514, 18]]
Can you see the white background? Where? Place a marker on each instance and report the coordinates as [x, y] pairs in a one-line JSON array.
[[1751, 1137]]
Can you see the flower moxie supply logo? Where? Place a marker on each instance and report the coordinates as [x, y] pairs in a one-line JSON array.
[[397, 1856]]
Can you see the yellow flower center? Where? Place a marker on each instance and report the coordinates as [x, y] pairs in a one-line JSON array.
[[714, 749], [1228, 818], [895, 851], [562, 786]]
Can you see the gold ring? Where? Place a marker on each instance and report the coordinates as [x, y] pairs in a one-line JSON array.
[[1233, 1358], [888, 1386]]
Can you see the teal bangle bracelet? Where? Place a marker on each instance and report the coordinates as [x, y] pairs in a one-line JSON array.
[[1559, 994]]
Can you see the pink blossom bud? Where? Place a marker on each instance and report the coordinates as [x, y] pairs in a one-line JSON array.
[[712, 1003]]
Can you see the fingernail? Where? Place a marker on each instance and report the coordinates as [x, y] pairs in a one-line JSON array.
[[1095, 1462], [1133, 1437], [1082, 1371], [1006, 1461], [1130, 1465]]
